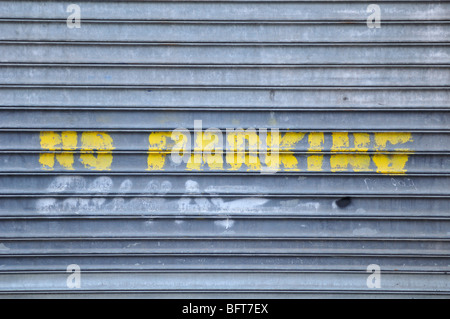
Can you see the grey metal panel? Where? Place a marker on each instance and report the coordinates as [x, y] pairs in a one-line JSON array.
[[29, 52], [159, 120], [128, 261], [224, 246], [244, 295], [412, 205], [227, 185], [224, 32], [228, 281], [224, 75], [225, 226], [225, 10], [225, 98], [137, 68]]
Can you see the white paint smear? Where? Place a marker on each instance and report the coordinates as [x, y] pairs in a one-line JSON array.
[[227, 223]]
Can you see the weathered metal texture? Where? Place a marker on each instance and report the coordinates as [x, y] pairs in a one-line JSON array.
[[229, 281], [225, 75], [216, 54], [87, 177], [160, 120], [155, 97], [224, 32], [229, 10]]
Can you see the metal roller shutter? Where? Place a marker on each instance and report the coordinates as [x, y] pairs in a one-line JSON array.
[[359, 116]]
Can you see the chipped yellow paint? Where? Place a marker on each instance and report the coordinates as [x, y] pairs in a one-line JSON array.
[[316, 141], [346, 162], [238, 138], [361, 141], [182, 143], [52, 141], [236, 153], [390, 164], [237, 159], [194, 164], [289, 161], [244, 148], [47, 161], [67, 141], [156, 161], [66, 160], [357, 162], [394, 138], [386, 164], [283, 144], [273, 161], [212, 152], [270, 152], [340, 141], [100, 143], [315, 163], [206, 151], [158, 142]]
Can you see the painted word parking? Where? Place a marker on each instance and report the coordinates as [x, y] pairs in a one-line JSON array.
[[245, 150]]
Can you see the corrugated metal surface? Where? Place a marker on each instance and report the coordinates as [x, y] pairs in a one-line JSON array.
[[87, 176]]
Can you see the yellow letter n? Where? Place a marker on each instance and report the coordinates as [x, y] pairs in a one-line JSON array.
[[61, 147]]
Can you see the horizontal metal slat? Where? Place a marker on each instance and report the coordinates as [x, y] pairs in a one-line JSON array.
[[205, 262], [317, 205], [230, 294], [224, 75], [227, 246], [161, 120], [295, 163], [210, 184], [222, 32], [235, 10], [231, 281], [223, 98], [223, 54], [226, 227]]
